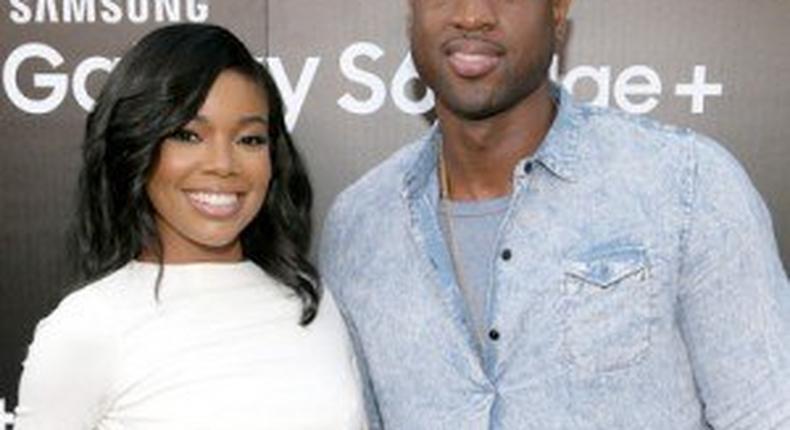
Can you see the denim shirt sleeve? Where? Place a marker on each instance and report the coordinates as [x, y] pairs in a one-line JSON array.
[[734, 297], [331, 255]]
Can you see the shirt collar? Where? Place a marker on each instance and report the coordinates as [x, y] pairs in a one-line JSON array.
[[559, 152], [423, 168]]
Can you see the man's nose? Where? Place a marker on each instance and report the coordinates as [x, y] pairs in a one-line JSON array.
[[474, 15]]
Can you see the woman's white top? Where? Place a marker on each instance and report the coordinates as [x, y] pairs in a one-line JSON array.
[[222, 348]]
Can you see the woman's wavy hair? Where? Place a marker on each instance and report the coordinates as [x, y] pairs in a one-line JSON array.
[[156, 88]]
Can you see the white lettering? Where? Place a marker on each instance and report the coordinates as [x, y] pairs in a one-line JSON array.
[[20, 13], [46, 8], [80, 79], [634, 81], [79, 11], [601, 76], [108, 11], [637, 89], [637, 81], [167, 11], [137, 10], [197, 11], [699, 89], [112, 13], [405, 75], [378, 90], [554, 68], [56, 81], [293, 98]]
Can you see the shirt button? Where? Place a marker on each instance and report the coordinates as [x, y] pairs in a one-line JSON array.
[[507, 255], [493, 335], [528, 167]]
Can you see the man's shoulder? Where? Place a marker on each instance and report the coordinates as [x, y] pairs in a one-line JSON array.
[[381, 184], [647, 147], [627, 128], [615, 131], [360, 213]]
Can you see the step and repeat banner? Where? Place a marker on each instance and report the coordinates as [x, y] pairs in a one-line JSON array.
[[717, 66]]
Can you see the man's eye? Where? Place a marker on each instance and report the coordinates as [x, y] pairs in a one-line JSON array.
[[184, 135], [254, 140]]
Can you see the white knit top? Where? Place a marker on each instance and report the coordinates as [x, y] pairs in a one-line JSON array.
[[220, 349]]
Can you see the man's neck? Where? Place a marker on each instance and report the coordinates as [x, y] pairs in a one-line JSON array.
[[480, 155]]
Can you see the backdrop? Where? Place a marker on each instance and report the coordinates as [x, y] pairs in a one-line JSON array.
[[718, 66]]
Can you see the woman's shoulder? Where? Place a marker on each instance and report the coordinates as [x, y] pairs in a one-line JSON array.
[[76, 345], [329, 322], [90, 311]]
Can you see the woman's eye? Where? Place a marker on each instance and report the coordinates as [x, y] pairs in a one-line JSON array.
[[184, 135], [254, 140]]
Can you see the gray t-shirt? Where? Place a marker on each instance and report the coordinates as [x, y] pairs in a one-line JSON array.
[[474, 232]]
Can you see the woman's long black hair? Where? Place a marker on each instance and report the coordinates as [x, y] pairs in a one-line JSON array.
[[156, 88]]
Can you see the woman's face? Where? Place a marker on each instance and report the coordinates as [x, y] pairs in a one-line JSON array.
[[211, 176]]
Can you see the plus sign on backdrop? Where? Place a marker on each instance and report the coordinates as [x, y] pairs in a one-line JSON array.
[[717, 66]]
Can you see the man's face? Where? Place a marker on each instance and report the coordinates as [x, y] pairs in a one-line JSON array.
[[482, 57]]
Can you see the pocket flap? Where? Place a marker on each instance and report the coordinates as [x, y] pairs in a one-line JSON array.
[[609, 267]]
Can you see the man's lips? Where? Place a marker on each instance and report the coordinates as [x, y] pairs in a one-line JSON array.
[[473, 58]]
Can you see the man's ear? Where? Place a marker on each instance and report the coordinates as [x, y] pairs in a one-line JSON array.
[[560, 9], [409, 16]]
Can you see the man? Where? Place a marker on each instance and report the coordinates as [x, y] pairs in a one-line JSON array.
[[536, 264]]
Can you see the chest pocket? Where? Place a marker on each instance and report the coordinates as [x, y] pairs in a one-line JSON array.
[[610, 310]]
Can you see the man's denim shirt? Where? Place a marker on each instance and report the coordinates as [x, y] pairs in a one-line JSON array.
[[642, 289]]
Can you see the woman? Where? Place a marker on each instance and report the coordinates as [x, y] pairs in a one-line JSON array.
[[200, 309]]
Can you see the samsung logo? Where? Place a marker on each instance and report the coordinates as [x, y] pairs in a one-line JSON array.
[[108, 11]]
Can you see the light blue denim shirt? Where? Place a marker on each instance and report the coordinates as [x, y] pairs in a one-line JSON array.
[[637, 285]]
